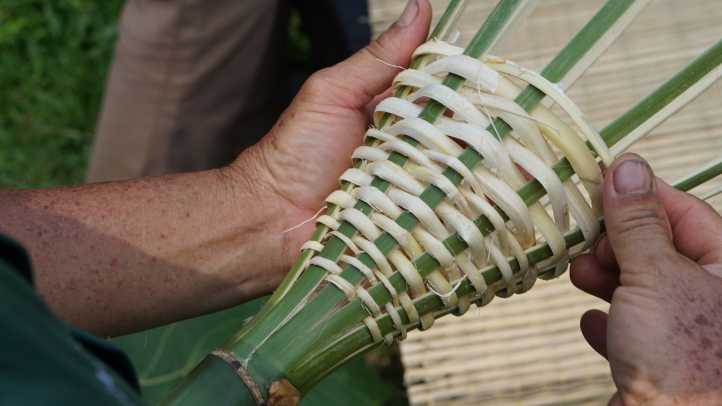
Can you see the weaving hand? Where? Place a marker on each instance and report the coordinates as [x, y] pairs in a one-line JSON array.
[[300, 160], [659, 265]]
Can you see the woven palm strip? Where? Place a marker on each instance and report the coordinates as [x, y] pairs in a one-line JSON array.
[[487, 190]]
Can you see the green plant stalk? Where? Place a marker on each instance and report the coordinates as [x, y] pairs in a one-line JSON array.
[[612, 134], [303, 287], [528, 98], [359, 340], [697, 177], [212, 382]]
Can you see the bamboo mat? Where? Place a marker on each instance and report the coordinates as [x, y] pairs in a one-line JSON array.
[[527, 350]]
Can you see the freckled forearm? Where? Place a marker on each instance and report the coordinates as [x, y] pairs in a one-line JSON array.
[[119, 257]]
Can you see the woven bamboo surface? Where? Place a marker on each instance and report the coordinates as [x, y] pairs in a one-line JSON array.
[[528, 350]]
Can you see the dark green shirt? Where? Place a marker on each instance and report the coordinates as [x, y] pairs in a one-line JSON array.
[[45, 362]]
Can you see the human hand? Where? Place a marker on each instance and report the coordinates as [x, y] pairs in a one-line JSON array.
[[659, 266], [300, 160]]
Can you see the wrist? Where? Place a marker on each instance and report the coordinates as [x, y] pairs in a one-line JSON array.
[[254, 180]]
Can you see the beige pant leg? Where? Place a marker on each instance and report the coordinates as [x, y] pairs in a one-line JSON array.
[[192, 83]]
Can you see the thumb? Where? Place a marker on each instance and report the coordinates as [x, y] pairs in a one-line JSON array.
[[371, 70], [636, 221]]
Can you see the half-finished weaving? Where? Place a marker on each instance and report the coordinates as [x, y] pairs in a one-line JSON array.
[[466, 188], [408, 157]]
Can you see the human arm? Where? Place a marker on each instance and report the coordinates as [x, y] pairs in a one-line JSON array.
[[660, 267], [119, 257]]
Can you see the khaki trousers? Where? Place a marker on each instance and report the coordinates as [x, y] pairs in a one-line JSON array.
[[192, 84]]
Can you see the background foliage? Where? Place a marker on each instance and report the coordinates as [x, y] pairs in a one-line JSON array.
[[53, 60], [54, 56]]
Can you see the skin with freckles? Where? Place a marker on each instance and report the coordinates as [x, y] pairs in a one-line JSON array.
[[660, 267], [119, 257]]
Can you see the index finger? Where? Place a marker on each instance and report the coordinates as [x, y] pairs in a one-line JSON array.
[[696, 226]]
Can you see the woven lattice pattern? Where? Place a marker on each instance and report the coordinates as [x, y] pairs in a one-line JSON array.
[[480, 206]]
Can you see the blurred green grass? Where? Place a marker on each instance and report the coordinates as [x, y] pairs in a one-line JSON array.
[[53, 61]]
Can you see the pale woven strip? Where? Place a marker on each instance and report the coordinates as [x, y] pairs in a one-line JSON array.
[[486, 94]]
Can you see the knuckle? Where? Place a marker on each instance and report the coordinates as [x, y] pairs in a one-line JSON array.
[[638, 295], [320, 80], [378, 47], [704, 206], [642, 221], [652, 261], [322, 88], [385, 48], [652, 268]]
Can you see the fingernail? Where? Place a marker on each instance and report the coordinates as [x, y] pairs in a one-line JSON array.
[[633, 176], [409, 14]]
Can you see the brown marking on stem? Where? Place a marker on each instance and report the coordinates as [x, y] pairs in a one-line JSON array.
[[282, 393]]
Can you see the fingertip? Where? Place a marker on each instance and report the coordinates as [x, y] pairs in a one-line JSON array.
[[630, 174], [370, 71], [594, 329], [412, 27], [409, 14], [425, 12], [590, 277], [577, 269], [604, 255], [370, 108], [696, 225], [413, 10], [636, 222]]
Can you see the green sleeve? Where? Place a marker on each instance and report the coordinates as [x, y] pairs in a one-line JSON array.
[[41, 362]]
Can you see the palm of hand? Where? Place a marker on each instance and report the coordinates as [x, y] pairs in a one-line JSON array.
[[306, 168], [300, 160]]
